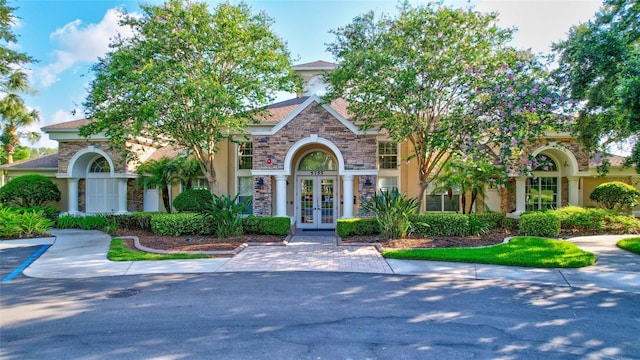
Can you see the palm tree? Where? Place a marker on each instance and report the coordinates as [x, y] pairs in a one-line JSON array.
[[468, 176], [188, 170], [159, 174], [14, 113]]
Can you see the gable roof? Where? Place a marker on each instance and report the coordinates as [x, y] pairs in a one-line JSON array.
[[69, 125], [315, 65], [41, 162], [286, 111]]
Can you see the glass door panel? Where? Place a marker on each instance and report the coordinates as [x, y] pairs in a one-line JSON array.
[[306, 201], [317, 202], [326, 201]]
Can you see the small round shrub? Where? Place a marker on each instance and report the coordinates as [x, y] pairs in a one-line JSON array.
[[545, 224], [193, 200], [29, 190], [616, 195]]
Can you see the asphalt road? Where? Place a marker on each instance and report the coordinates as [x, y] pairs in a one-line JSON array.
[[311, 316]]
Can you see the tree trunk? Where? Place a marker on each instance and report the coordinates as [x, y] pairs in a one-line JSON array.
[[165, 199]]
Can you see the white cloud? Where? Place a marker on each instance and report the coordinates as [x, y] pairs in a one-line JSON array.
[[80, 43], [540, 22]]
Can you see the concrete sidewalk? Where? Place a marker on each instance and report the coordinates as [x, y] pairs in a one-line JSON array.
[[82, 254]]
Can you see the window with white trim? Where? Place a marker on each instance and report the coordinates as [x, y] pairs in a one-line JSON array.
[[100, 165], [387, 155], [387, 183], [444, 201], [245, 192], [542, 190], [245, 156], [200, 183]]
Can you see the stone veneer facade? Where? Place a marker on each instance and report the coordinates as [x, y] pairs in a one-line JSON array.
[[359, 151], [66, 151]]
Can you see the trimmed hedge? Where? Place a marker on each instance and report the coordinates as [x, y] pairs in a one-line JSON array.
[[269, 225], [433, 224], [492, 219], [545, 224], [193, 200], [357, 227], [182, 224], [595, 220]]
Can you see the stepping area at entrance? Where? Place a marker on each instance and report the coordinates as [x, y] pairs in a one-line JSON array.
[[316, 252]]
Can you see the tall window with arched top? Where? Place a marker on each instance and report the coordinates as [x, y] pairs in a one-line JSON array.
[[543, 190]]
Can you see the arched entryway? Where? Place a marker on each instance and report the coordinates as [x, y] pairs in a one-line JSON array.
[[316, 190], [101, 187], [94, 187]]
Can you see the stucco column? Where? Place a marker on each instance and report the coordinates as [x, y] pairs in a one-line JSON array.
[[347, 196], [521, 194], [122, 196], [574, 196], [72, 196], [281, 195]]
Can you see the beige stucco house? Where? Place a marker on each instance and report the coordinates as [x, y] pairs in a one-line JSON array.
[[306, 161]]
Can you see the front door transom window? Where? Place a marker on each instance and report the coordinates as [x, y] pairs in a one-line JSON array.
[[317, 161], [100, 165]]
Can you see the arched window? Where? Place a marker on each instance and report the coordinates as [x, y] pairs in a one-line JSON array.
[[100, 165], [317, 160], [543, 191]]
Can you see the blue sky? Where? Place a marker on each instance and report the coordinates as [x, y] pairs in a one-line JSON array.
[[67, 36]]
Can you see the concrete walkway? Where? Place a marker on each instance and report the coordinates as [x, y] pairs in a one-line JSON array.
[[82, 254]]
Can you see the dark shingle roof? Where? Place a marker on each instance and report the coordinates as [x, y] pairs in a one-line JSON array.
[[41, 162]]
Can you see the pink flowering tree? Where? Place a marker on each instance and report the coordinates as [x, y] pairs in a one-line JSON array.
[[446, 81]]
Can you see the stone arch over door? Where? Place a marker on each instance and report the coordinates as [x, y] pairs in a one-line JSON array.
[[93, 185], [317, 189]]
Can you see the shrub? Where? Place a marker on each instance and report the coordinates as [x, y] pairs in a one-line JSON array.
[[616, 195], [50, 212], [270, 225], [143, 220], [392, 210], [594, 220], [545, 224], [29, 190], [182, 224], [357, 227], [92, 222], [493, 219], [436, 224], [193, 200], [509, 224], [225, 212], [18, 224]]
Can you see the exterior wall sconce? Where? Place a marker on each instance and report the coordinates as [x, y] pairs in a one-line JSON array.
[[260, 183], [368, 182]]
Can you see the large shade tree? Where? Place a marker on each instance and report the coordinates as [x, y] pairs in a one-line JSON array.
[[14, 113], [446, 81], [188, 77], [599, 68]]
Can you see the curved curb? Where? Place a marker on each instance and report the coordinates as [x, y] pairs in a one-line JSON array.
[[381, 248], [236, 251]]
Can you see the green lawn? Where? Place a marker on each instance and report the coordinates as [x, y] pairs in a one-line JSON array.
[[119, 252], [631, 244], [520, 251]]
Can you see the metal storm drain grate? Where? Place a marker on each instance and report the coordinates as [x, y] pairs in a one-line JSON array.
[[123, 293]]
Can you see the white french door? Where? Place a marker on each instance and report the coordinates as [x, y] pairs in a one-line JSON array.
[[316, 202]]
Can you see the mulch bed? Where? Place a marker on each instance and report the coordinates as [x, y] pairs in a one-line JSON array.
[[212, 243], [195, 242], [491, 238]]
